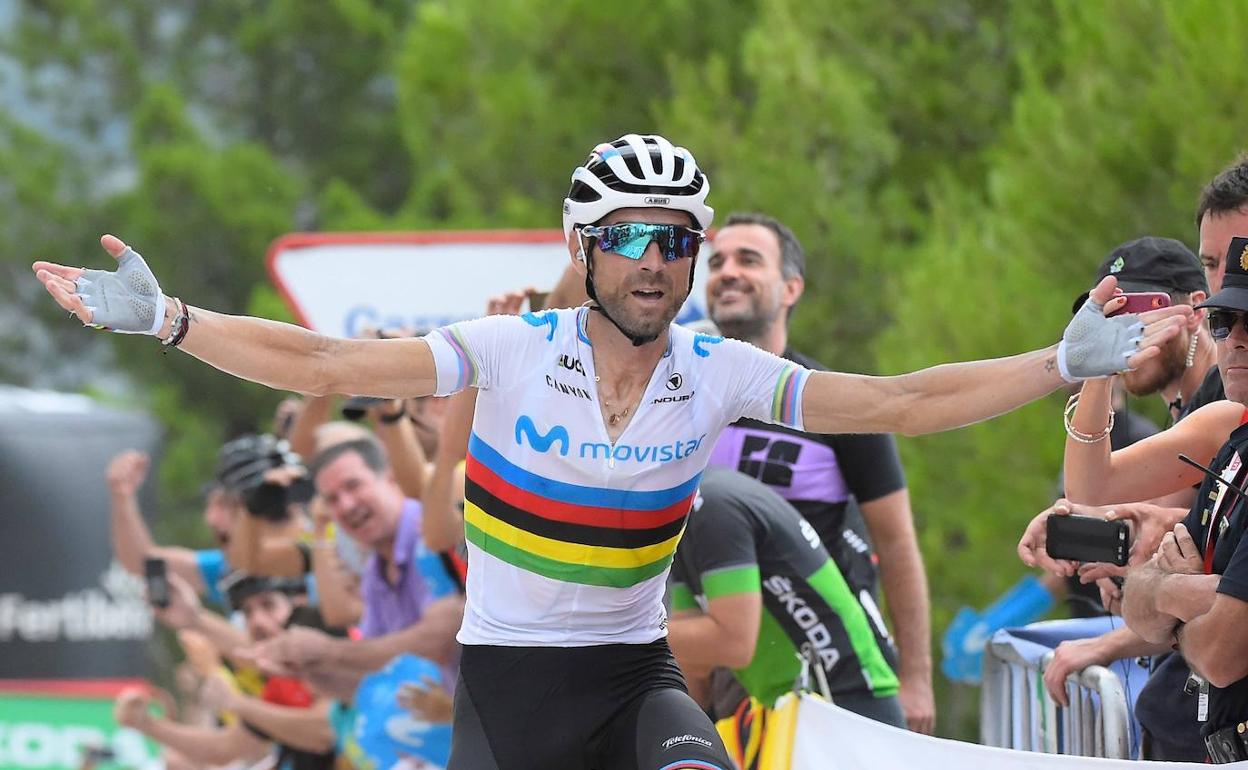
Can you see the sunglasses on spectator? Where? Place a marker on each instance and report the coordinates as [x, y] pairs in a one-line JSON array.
[[630, 239], [1223, 322]]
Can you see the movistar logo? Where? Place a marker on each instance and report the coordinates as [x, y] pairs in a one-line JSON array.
[[547, 318], [542, 442], [641, 453], [600, 450]]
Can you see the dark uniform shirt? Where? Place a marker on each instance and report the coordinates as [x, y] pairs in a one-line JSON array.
[[1165, 709], [1221, 510]]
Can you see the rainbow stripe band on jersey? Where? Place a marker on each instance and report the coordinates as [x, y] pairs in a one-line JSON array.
[[568, 532], [786, 404], [467, 365]]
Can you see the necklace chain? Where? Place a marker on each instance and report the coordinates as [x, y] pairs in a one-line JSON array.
[[613, 418]]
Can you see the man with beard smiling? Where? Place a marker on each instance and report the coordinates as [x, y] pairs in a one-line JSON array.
[[755, 278], [565, 661]]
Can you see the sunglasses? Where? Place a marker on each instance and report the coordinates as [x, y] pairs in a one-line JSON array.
[[630, 239], [1222, 322]]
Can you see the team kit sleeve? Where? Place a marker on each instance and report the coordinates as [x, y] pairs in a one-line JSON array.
[[870, 464], [719, 549], [763, 386], [472, 353]]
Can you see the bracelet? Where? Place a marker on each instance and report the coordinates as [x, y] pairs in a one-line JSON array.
[[177, 330], [390, 419], [1074, 433]]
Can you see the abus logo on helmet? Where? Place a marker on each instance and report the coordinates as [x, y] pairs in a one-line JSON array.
[[652, 201]]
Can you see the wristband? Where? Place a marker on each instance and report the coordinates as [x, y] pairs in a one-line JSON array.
[[178, 328]]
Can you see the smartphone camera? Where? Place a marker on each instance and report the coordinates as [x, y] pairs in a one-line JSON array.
[[157, 582], [1088, 539]]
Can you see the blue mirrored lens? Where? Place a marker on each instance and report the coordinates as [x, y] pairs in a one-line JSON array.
[[631, 239], [627, 240]]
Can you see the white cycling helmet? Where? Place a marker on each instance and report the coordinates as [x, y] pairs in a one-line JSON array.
[[636, 172]]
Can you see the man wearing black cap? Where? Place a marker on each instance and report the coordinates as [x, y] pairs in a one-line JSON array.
[[1164, 265], [1194, 593]]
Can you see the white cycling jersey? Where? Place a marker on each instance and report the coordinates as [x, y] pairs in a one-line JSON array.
[[570, 535]]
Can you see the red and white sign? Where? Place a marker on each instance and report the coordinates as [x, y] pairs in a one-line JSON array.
[[342, 283]]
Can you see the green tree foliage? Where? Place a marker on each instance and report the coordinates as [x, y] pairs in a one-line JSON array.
[[955, 169]]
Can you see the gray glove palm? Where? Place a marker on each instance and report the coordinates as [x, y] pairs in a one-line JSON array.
[[1096, 346], [128, 301]]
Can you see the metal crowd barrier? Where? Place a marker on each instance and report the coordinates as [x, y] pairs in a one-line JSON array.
[[1016, 711]]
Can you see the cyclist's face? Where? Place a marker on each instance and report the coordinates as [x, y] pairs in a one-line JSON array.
[[642, 295]]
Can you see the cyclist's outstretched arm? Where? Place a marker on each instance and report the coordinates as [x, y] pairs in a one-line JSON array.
[[279, 355], [953, 395]]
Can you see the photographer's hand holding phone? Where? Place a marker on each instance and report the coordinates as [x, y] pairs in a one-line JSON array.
[[1149, 524], [182, 610], [1033, 546], [1088, 540]]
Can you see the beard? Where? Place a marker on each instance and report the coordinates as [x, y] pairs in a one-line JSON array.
[[744, 323], [1160, 372], [642, 322]]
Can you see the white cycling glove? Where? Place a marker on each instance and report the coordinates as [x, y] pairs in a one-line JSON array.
[[1096, 346], [128, 301]]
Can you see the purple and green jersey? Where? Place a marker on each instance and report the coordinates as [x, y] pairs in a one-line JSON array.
[[744, 538]]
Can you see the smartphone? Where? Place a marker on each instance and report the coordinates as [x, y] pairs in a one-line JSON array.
[[157, 582], [1088, 539], [1144, 301]]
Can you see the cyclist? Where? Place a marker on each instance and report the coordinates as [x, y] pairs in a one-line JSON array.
[[592, 428], [754, 589], [851, 488]]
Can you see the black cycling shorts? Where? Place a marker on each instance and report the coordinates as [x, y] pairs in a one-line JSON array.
[[607, 707]]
